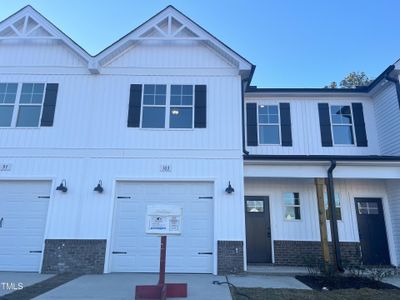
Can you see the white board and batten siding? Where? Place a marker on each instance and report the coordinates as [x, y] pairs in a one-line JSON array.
[[306, 134], [23, 216], [387, 113], [132, 250], [307, 229]]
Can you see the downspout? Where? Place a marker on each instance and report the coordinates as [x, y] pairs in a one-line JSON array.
[[397, 85], [333, 220], [243, 125]]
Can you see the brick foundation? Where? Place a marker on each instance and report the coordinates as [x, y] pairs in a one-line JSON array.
[[74, 256], [230, 257], [299, 253]]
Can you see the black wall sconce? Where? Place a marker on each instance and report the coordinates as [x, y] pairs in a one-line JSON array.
[[229, 189], [99, 188], [63, 186]]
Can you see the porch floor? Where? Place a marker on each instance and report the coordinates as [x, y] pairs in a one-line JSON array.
[[276, 270]]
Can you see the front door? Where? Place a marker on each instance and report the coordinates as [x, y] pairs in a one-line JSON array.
[[372, 231], [258, 230]]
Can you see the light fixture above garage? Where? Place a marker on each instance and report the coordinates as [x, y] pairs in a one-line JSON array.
[[99, 188], [63, 186], [229, 189]]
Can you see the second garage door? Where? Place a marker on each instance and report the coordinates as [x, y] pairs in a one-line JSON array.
[[134, 251], [23, 212]]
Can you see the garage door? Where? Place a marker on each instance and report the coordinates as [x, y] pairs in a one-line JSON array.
[[134, 251], [23, 211]]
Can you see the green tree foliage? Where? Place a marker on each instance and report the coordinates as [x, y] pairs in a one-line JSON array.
[[351, 81]]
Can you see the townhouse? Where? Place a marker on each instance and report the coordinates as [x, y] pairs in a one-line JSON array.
[[167, 115]]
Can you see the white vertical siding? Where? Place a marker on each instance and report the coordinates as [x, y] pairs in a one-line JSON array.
[[306, 134], [387, 112], [393, 190]]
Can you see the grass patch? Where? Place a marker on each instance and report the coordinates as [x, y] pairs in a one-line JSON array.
[[283, 294]]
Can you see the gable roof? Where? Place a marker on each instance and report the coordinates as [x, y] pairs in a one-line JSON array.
[[172, 25], [29, 24]]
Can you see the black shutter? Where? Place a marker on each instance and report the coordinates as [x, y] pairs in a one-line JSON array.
[[49, 105], [135, 102], [251, 119], [359, 125], [200, 106], [325, 124], [286, 124]]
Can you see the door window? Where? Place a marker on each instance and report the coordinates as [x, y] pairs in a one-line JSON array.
[[368, 208], [254, 206]]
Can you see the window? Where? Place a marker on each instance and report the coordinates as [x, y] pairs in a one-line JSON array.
[[253, 206], [268, 124], [30, 104], [8, 95], [181, 111], [21, 105], [337, 204], [154, 102], [368, 208], [179, 107], [342, 125], [292, 206]]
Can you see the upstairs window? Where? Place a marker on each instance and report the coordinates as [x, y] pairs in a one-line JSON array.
[[292, 206], [21, 105], [30, 105], [154, 105], [8, 95], [342, 125], [181, 110], [268, 124]]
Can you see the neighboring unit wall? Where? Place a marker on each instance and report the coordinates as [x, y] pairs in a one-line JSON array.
[[387, 114], [393, 190], [306, 133]]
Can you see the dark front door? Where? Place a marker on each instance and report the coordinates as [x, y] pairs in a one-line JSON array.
[[372, 231], [258, 230]]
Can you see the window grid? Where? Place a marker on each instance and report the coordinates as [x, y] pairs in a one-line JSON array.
[[154, 98], [8, 96], [368, 208], [28, 99], [341, 117], [181, 98], [292, 206], [174, 98], [269, 119]]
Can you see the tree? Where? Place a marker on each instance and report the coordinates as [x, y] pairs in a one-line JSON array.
[[351, 81]]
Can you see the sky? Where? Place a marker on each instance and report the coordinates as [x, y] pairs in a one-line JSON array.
[[293, 43]]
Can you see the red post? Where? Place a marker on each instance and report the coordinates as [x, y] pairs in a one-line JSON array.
[[163, 260]]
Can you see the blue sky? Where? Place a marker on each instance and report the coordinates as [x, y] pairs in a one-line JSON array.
[[294, 43]]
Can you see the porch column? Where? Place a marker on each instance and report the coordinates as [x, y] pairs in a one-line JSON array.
[[319, 185]]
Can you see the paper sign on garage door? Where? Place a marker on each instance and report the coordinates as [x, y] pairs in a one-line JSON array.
[[163, 219]]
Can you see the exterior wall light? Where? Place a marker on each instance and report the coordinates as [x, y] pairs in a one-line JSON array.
[[229, 189], [63, 186], [99, 188]]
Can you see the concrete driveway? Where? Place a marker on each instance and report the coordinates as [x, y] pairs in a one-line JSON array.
[[122, 286], [11, 281]]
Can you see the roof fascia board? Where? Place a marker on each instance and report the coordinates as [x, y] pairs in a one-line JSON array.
[[107, 54]]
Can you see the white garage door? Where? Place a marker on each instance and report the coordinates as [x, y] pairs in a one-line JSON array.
[[23, 212], [134, 251]]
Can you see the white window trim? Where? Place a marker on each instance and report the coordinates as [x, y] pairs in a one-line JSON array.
[[267, 124], [17, 104], [284, 207], [354, 144], [153, 105], [181, 106], [167, 107]]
